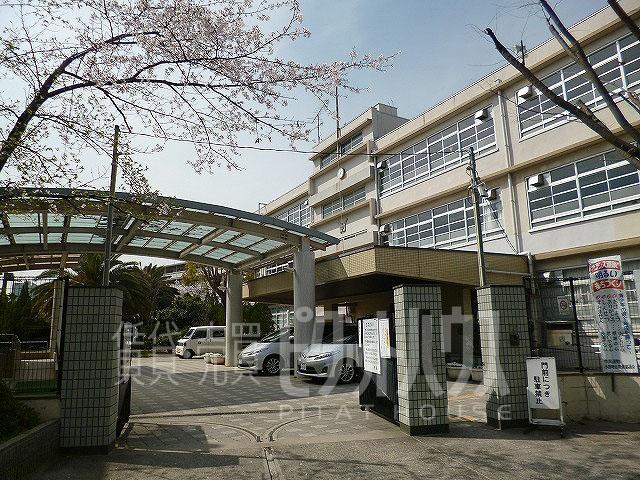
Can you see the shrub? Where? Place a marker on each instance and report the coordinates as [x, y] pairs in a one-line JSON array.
[[15, 416]]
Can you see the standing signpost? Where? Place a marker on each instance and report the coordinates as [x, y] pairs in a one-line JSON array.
[[617, 349], [543, 392]]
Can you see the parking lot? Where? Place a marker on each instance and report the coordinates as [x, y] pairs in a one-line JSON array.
[[194, 420]]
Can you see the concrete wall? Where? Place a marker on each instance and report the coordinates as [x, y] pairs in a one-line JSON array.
[[29, 451], [599, 396]]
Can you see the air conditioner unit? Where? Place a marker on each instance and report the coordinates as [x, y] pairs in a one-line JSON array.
[[482, 115], [526, 92], [492, 194], [536, 181], [385, 229]]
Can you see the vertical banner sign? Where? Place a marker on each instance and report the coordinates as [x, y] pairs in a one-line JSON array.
[[371, 345], [385, 338], [612, 315], [542, 383]]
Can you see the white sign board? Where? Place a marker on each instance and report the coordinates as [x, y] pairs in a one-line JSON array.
[[617, 349], [564, 306], [385, 338], [542, 383], [371, 345]]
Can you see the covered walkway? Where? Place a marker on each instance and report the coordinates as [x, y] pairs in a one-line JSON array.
[[51, 228]]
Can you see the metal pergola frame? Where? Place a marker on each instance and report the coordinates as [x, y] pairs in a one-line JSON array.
[[50, 228]]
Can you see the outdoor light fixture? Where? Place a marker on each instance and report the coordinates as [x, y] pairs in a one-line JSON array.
[[482, 115], [526, 92], [536, 180], [491, 194]]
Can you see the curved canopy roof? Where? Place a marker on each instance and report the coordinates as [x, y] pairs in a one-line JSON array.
[[48, 228]]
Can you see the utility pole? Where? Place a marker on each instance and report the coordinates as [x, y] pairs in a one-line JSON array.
[[112, 191], [475, 196], [522, 50]]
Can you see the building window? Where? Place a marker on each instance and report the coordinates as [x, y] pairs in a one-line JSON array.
[[344, 202], [437, 153], [597, 184], [345, 147], [617, 65], [449, 225], [300, 214]]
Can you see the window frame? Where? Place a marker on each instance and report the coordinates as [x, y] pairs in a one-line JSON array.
[[407, 163], [585, 212], [596, 101], [448, 210], [343, 147], [359, 195]]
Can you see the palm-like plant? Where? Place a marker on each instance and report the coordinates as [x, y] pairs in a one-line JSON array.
[[158, 292], [127, 276]]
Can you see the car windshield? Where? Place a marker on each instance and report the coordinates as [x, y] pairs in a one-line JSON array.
[[348, 334], [277, 336], [189, 333]]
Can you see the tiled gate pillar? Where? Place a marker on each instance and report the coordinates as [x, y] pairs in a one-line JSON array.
[[422, 383], [90, 368], [504, 336]]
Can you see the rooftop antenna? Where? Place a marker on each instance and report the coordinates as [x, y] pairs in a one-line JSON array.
[[337, 117]]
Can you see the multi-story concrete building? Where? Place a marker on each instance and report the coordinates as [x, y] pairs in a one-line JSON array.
[[555, 195]]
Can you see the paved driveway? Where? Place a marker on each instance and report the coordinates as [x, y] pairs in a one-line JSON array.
[[171, 384], [197, 421]]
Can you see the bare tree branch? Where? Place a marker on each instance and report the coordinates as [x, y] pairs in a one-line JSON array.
[[576, 51], [628, 21], [585, 117]]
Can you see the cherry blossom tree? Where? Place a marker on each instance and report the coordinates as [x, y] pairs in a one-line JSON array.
[[204, 71]]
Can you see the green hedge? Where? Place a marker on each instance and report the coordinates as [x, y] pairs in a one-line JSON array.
[[15, 416]]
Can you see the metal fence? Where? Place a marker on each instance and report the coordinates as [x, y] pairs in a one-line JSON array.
[[568, 317], [28, 362]]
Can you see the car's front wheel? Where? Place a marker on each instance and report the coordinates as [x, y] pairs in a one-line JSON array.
[[346, 371], [187, 354], [272, 365]]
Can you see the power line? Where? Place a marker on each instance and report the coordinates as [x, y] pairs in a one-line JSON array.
[[276, 149]]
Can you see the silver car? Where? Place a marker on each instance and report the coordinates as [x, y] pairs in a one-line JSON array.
[[335, 357], [269, 355]]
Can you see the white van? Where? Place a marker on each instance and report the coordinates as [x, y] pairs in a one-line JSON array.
[[201, 340]]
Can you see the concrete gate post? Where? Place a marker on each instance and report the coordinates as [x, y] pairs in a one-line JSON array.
[[90, 368], [233, 318], [422, 382], [504, 337], [304, 297]]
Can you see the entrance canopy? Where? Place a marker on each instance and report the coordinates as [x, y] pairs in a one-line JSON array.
[[50, 228]]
